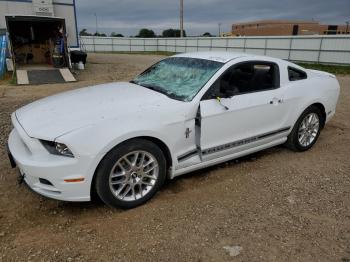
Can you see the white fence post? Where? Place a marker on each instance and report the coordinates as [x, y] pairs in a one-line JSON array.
[[320, 50], [290, 47]]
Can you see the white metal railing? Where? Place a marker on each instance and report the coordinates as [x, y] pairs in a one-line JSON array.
[[334, 49]]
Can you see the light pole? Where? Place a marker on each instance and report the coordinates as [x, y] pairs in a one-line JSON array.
[[347, 26], [181, 18], [96, 23], [219, 29]]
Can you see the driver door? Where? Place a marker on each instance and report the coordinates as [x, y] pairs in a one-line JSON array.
[[250, 112]]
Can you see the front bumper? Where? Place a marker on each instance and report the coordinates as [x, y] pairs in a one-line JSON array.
[[38, 167]]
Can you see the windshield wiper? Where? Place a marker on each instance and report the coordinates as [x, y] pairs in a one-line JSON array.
[[164, 92], [159, 90], [154, 88]]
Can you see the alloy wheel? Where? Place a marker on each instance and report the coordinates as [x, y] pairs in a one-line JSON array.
[[133, 175], [308, 129]]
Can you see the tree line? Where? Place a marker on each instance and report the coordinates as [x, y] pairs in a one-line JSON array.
[[143, 33]]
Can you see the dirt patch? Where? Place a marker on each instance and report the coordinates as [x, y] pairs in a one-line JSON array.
[[275, 205]]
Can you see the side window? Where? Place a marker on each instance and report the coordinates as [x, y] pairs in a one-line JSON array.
[[246, 77], [296, 74]]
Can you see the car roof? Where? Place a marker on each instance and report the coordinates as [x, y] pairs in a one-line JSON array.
[[218, 56]]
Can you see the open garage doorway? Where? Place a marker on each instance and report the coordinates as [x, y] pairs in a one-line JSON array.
[[39, 44]]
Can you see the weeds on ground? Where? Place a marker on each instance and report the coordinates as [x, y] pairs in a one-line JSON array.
[[333, 69], [8, 78], [165, 53], [13, 80]]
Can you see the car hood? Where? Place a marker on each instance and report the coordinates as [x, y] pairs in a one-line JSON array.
[[60, 114]]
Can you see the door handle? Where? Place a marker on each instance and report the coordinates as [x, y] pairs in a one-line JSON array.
[[275, 101]]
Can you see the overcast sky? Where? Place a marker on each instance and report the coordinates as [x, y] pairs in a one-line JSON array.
[[128, 16]]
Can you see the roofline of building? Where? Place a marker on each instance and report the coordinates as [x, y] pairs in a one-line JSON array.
[[278, 22]]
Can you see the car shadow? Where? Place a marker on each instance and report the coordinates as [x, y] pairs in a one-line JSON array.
[[171, 186], [174, 185]]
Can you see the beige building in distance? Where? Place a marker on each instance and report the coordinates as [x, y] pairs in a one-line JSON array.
[[286, 27]]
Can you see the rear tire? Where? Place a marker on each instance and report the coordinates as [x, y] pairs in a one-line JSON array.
[[306, 130], [130, 174]]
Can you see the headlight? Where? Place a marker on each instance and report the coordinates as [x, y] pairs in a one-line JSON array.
[[56, 148]]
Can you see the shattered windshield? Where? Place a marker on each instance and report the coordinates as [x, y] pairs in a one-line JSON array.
[[180, 78]]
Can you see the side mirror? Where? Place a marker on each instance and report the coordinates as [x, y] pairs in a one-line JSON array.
[[219, 100]]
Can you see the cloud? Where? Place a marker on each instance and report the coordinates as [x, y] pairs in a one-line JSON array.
[[128, 16]]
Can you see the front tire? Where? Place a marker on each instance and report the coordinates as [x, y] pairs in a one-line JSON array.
[[306, 130], [130, 174]]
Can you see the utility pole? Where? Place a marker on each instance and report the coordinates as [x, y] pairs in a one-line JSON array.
[[96, 23], [219, 29], [181, 18]]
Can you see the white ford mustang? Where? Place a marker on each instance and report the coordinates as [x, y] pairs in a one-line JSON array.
[[186, 112]]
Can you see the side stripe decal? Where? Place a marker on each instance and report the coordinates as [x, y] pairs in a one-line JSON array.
[[243, 141], [232, 144]]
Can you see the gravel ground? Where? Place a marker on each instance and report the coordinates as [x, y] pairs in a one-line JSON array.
[[275, 205]]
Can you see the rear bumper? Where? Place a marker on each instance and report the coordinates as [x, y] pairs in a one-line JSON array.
[[40, 167]]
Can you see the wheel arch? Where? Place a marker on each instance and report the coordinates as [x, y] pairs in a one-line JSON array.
[[322, 108], [161, 144], [317, 104], [165, 149], [291, 142]]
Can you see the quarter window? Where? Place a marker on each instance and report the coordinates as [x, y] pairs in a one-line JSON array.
[[296, 74]]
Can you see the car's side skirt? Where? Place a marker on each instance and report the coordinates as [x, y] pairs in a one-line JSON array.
[[228, 157], [245, 141], [187, 155], [237, 144]]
